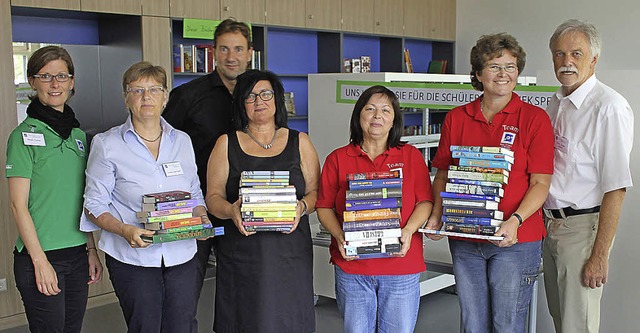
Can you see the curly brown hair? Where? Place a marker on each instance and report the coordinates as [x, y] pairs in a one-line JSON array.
[[493, 46]]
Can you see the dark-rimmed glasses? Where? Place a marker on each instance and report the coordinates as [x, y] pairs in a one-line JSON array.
[[61, 77], [265, 95]]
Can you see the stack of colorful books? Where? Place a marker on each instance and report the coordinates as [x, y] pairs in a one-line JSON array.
[[471, 197], [170, 215], [268, 201], [372, 216]]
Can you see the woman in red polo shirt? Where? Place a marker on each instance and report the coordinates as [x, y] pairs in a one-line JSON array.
[[495, 280], [377, 295]]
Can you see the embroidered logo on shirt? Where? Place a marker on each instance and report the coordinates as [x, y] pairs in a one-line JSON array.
[[9, 166], [508, 138], [80, 145]]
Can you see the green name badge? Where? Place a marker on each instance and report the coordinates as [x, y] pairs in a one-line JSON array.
[[199, 29]]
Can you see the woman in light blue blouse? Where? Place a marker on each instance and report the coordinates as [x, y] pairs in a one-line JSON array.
[[155, 284]]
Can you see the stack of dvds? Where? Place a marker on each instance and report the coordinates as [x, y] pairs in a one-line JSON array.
[[372, 216], [268, 201], [474, 189], [170, 215]]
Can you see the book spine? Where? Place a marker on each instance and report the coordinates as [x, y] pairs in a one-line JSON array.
[[249, 228], [265, 173], [459, 211], [244, 183], [481, 149], [372, 234], [482, 156], [255, 198], [171, 205], [485, 163], [177, 58], [288, 189], [475, 182], [255, 224], [371, 225], [165, 218], [166, 197], [373, 204], [479, 169], [171, 237], [491, 177], [373, 175], [375, 183], [180, 223], [164, 212], [471, 220], [281, 213], [267, 207], [185, 228], [374, 193], [469, 196], [374, 214], [484, 204], [371, 249], [471, 229], [277, 177], [474, 189]]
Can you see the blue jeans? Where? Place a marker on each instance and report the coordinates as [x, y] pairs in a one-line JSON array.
[[378, 303], [495, 284]]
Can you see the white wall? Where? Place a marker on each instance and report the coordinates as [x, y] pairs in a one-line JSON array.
[[532, 23]]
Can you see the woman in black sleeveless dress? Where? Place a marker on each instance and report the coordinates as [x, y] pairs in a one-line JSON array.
[[264, 280]]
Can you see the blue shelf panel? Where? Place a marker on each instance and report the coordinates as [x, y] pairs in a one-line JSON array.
[[299, 125], [356, 46], [292, 52], [421, 53], [298, 85], [72, 31], [412, 119]]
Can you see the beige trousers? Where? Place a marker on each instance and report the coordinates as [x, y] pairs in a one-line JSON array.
[[574, 307]]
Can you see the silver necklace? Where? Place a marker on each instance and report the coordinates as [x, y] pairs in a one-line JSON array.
[[267, 146], [145, 139]]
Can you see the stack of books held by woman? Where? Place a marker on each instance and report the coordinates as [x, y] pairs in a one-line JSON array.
[[473, 191], [170, 215], [268, 201], [372, 216]]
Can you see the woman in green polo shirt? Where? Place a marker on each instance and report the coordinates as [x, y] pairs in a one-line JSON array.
[[54, 262]]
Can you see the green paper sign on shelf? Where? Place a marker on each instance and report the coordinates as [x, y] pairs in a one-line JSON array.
[[200, 29]]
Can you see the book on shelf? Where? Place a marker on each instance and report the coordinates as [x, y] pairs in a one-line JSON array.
[[479, 169], [355, 65], [485, 163], [484, 204], [346, 66], [289, 104], [171, 237], [372, 234], [188, 58], [365, 63], [374, 175], [459, 234], [373, 204], [375, 183], [178, 58], [384, 192], [491, 177], [371, 225], [474, 189], [463, 196], [165, 196], [437, 67], [256, 62], [472, 212], [471, 220], [487, 230], [482, 156], [482, 149], [407, 61], [373, 214], [200, 59]]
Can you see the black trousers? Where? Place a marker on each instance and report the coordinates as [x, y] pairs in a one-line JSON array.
[[156, 299], [202, 258], [63, 312]]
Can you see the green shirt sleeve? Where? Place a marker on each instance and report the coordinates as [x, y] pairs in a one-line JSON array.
[[19, 156]]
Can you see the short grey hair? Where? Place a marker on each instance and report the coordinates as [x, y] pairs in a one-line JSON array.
[[595, 43]]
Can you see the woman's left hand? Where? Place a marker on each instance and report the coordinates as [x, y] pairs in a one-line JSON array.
[[508, 229], [405, 240], [95, 266], [300, 210]]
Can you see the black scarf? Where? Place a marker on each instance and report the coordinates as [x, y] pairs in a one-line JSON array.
[[61, 122]]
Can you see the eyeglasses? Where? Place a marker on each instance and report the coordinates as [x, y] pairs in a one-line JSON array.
[[139, 91], [496, 68], [62, 77], [265, 95]]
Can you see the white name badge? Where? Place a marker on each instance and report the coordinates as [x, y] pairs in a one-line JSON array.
[[33, 139], [561, 143], [172, 169]]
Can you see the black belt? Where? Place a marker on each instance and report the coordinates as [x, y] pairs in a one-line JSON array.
[[568, 211]]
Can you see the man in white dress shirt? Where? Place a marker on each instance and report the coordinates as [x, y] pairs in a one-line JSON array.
[[593, 126]]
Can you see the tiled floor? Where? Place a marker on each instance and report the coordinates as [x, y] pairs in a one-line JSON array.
[[439, 313]]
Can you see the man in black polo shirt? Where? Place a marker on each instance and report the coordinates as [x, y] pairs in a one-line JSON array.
[[202, 107]]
